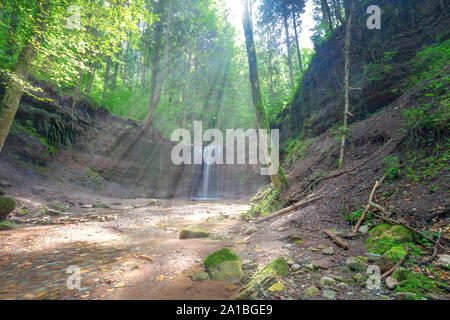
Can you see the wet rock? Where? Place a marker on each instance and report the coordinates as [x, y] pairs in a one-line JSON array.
[[52, 212], [224, 265], [384, 264], [329, 294], [322, 263], [342, 285], [355, 264], [59, 207], [193, 233], [311, 292], [327, 282], [7, 205]]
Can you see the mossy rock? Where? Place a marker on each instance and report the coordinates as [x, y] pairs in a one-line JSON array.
[[2, 192], [101, 206], [384, 237], [193, 233], [224, 265], [6, 225], [264, 278], [400, 274], [396, 253], [417, 284], [7, 205]]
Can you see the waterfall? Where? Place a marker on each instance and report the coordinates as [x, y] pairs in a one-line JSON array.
[[207, 176]]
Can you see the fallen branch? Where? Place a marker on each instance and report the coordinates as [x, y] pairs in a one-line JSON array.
[[372, 194], [336, 239], [392, 221], [299, 205], [399, 263]]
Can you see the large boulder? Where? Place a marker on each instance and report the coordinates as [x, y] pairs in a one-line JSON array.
[[224, 265], [7, 205], [384, 236]]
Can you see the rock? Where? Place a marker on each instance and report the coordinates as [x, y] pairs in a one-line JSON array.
[[328, 251], [329, 294], [384, 298], [391, 283], [372, 257], [404, 296], [290, 262], [101, 206], [395, 253], [224, 265], [322, 263], [7, 205], [152, 202], [355, 264], [199, 276], [311, 292], [383, 235], [327, 282], [277, 287], [295, 267], [312, 249], [342, 285], [2, 192], [193, 233], [384, 264], [444, 261], [400, 274], [363, 229], [6, 225]]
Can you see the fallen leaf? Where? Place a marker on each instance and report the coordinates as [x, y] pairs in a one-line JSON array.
[[161, 277]]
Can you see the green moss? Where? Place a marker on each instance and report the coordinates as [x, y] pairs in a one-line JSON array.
[[216, 258], [193, 233], [265, 203], [396, 253], [417, 284], [6, 225], [7, 205], [384, 237], [101, 205]]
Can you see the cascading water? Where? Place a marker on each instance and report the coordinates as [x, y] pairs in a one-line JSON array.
[[207, 175]]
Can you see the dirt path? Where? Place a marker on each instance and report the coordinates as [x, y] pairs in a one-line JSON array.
[[114, 257]]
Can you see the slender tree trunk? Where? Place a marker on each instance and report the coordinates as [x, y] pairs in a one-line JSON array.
[[326, 14], [116, 72], [77, 93], [337, 7], [299, 55], [187, 87], [288, 46], [15, 84], [11, 44], [348, 38], [272, 92], [124, 83], [279, 180], [107, 72], [157, 85]]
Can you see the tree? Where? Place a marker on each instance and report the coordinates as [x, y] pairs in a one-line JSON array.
[[347, 48], [278, 179], [15, 85]]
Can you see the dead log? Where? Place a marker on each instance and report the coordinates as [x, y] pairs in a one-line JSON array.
[[299, 205], [372, 194], [336, 239], [399, 263]]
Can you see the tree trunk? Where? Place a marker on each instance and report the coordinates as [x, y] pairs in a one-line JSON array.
[[299, 55], [106, 82], [288, 46], [348, 38], [124, 82], [77, 93], [326, 14], [157, 84], [15, 84], [272, 92], [116, 71], [11, 44], [337, 7], [188, 76], [279, 179]]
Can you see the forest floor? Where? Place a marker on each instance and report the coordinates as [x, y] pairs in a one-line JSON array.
[[138, 254]]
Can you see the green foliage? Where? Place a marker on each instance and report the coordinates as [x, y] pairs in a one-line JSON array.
[[391, 167], [356, 214]]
